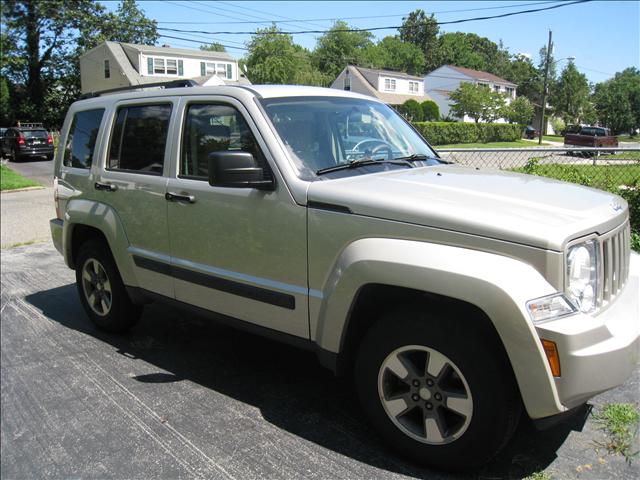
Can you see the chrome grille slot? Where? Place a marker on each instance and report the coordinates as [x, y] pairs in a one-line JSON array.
[[616, 253]]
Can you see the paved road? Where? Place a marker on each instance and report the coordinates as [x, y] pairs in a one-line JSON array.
[[37, 169], [25, 216], [180, 397]]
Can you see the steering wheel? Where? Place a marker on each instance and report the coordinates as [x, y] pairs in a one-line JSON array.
[[383, 145]]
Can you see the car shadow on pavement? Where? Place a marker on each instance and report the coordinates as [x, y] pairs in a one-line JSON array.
[[288, 386]]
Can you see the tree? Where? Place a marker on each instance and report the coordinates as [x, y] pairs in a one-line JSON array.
[[394, 54], [5, 102], [473, 51], [524, 74], [411, 110], [476, 101], [337, 48], [422, 31], [274, 58], [213, 47], [617, 101], [40, 48], [430, 111], [571, 95], [520, 111]]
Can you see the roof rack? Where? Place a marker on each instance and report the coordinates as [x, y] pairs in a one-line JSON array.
[[171, 84], [30, 124]]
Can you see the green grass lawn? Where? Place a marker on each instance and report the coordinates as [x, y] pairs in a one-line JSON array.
[[553, 138], [10, 180], [516, 144]]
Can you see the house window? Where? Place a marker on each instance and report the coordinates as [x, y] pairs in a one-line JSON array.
[[347, 83], [389, 85], [509, 91], [496, 88], [413, 87], [107, 70], [172, 67], [485, 85], [222, 70], [158, 65], [164, 66]]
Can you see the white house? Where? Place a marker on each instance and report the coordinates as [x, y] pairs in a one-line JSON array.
[[114, 64], [393, 88], [443, 80]]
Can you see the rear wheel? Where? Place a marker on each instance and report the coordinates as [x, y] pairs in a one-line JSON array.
[[15, 156], [50, 156], [102, 293], [437, 389]]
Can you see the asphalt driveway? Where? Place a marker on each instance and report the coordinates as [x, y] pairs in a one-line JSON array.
[[180, 397]]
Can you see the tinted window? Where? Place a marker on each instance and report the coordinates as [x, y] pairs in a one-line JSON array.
[[35, 134], [139, 138], [78, 150], [214, 128]]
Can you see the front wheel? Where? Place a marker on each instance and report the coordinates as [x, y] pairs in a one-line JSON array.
[[102, 293], [437, 389]]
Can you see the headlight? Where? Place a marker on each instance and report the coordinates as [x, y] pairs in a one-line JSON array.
[[582, 275]]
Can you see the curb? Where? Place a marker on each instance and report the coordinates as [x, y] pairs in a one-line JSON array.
[[25, 189]]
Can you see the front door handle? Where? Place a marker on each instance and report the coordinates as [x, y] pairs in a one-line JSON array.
[[107, 187], [176, 197]]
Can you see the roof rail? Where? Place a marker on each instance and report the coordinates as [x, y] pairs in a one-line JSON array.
[[172, 84], [30, 124]]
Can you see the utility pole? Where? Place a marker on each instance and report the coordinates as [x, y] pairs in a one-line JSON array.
[[544, 90]]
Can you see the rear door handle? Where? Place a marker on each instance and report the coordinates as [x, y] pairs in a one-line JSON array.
[[108, 187], [176, 197]]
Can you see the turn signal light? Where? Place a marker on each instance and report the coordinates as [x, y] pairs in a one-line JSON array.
[[551, 351]]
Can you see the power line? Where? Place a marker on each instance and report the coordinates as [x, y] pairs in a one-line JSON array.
[[451, 22], [200, 42], [309, 20], [286, 19]]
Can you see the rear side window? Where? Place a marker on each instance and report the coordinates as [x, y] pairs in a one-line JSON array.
[[139, 138], [213, 128], [81, 141]]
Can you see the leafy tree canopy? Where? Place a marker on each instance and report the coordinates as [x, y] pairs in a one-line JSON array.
[[571, 95], [476, 101], [393, 54], [337, 48], [422, 31], [617, 101], [213, 47]]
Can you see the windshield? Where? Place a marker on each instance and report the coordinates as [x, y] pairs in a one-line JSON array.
[[325, 132]]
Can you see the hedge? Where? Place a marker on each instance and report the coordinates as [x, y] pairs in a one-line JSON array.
[[445, 133]]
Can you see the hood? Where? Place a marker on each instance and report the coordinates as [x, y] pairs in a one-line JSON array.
[[526, 209]]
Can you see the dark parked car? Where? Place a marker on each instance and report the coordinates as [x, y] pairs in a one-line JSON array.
[[22, 142]]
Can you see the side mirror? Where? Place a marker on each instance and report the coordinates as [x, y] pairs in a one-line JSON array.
[[236, 170]]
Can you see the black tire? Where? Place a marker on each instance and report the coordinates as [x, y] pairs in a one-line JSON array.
[[50, 156], [469, 441], [15, 156], [122, 314]]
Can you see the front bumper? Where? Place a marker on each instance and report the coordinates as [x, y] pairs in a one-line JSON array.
[[598, 352]]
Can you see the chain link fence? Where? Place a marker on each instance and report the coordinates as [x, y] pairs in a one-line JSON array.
[[605, 168]]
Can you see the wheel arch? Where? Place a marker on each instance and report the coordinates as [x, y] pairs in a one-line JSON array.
[[494, 288]]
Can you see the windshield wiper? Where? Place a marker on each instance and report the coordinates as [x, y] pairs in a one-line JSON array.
[[361, 163], [421, 157]]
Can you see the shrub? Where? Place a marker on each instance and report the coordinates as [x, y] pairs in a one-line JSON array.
[[443, 133], [411, 110], [430, 111]]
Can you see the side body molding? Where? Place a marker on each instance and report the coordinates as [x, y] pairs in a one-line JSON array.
[[498, 285], [104, 218]]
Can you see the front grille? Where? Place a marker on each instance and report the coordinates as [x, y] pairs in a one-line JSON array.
[[615, 251]]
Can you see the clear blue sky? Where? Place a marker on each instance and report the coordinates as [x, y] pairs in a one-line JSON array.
[[604, 36]]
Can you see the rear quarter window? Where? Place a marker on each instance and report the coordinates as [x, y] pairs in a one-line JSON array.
[[81, 140]]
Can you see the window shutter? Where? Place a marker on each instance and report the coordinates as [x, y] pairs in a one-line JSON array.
[[150, 65], [229, 74], [180, 68], [203, 69]]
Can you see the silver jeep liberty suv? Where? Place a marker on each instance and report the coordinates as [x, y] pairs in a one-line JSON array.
[[456, 299]]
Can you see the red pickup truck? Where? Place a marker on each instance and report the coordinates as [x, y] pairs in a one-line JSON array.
[[591, 137]]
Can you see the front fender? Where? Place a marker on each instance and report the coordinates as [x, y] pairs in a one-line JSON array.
[[500, 286], [106, 220]]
